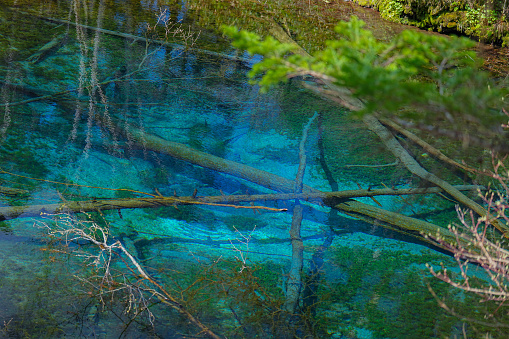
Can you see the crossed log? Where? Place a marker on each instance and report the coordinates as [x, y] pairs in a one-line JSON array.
[[339, 200]]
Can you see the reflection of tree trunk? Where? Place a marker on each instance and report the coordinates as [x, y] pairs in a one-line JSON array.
[[141, 39], [425, 146], [314, 277]]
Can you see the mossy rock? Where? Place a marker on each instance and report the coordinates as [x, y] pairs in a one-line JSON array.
[[392, 10]]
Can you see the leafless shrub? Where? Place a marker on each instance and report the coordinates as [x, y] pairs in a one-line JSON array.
[[478, 243], [116, 272]]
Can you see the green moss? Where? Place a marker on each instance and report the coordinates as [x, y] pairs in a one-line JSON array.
[[392, 10], [387, 293], [122, 194], [242, 223], [18, 157], [5, 227], [475, 18], [376, 290], [155, 178], [366, 3]]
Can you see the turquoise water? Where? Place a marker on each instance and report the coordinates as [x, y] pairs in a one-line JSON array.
[[75, 121]]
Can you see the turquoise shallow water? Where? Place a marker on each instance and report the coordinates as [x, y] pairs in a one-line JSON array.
[[63, 135]]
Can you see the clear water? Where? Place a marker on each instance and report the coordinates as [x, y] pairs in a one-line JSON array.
[[63, 121]]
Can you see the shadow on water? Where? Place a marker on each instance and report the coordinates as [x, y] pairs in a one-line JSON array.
[[78, 107]]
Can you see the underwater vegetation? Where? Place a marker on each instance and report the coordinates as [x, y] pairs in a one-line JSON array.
[[106, 109]]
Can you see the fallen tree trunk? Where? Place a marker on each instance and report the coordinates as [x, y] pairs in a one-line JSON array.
[[183, 152], [327, 198], [345, 97], [425, 146], [267, 179], [394, 221]]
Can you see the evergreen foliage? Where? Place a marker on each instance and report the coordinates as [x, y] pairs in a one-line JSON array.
[[427, 79]]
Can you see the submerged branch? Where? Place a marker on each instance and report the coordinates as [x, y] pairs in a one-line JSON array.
[[13, 191], [327, 198], [294, 284], [51, 47], [425, 146]]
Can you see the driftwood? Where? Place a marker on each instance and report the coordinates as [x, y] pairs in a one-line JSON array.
[[345, 97]]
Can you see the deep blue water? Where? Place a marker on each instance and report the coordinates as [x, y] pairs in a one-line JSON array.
[[64, 118]]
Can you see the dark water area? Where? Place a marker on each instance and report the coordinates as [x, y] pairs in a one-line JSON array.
[[90, 112]]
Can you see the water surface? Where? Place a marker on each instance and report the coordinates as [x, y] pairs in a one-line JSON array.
[[76, 120]]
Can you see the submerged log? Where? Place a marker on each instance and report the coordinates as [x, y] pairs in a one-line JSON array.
[[294, 283], [186, 153], [270, 180], [394, 221], [54, 45], [326, 198], [345, 97]]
